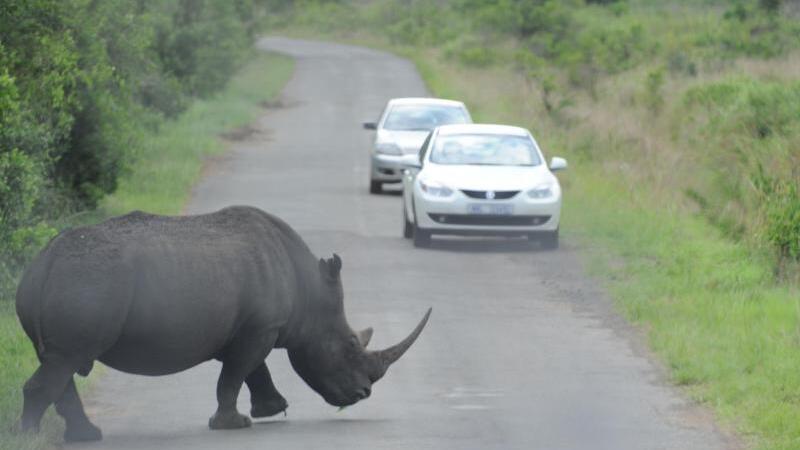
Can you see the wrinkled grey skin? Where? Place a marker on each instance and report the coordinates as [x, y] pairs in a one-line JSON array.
[[155, 295]]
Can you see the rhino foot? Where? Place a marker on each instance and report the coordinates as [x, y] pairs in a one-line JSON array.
[[268, 408], [82, 433], [228, 421]]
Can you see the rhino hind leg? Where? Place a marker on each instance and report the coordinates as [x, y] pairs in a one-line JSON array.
[[42, 389], [265, 399], [78, 426], [239, 360]]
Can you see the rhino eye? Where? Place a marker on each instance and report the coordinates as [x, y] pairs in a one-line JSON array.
[[354, 341]]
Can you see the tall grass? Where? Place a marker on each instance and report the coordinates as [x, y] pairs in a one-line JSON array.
[[159, 181]]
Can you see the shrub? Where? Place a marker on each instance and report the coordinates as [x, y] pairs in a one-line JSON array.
[[781, 203], [653, 90], [472, 53], [81, 82], [748, 130]]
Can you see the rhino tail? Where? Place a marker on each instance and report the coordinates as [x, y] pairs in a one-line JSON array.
[[39, 339], [34, 290], [37, 317]]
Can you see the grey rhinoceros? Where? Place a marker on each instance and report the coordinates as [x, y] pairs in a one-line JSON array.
[[155, 295]]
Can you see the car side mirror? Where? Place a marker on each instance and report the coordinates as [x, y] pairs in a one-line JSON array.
[[557, 163], [370, 126], [410, 161]]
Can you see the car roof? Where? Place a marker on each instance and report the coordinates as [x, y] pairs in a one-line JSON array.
[[424, 101], [482, 128]]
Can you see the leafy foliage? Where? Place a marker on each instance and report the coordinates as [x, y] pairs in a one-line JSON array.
[[758, 125], [82, 82]]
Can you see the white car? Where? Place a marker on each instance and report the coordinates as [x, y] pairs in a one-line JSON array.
[[401, 129], [481, 180]]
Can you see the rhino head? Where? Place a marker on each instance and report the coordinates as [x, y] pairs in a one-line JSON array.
[[332, 358]]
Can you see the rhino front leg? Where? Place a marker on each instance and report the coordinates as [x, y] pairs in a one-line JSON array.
[[265, 399], [78, 428], [240, 359]]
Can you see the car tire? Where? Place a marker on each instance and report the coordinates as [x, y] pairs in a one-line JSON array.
[[547, 240], [408, 227], [375, 187], [422, 238]]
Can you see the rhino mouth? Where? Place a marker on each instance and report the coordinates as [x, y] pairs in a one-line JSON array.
[[340, 399]]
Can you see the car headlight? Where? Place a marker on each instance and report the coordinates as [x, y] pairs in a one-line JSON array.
[[435, 189], [388, 148], [541, 191]]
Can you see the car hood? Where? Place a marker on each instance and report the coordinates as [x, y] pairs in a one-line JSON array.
[[408, 141], [485, 178]]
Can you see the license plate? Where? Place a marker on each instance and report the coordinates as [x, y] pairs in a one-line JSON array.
[[490, 209]]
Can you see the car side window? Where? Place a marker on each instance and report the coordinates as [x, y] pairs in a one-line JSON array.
[[424, 147], [384, 113]]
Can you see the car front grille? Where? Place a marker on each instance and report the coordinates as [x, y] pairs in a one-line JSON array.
[[487, 220], [492, 195]]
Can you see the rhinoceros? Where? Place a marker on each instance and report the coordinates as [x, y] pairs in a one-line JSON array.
[[155, 295]]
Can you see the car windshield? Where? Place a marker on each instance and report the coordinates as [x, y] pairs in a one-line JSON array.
[[423, 117], [485, 149]]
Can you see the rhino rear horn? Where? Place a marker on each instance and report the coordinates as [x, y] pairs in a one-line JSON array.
[[390, 355]]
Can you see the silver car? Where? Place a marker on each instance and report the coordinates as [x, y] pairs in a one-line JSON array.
[[401, 130]]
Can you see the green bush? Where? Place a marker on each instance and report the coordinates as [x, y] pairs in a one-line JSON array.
[[203, 44], [782, 210], [81, 84], [20, 182], [653, 90], [749, 30], [520, 18], [749, 130], [472, 53]]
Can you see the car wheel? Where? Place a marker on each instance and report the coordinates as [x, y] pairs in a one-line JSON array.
[[408, 227], [422, 238], [375, 187], [548, 240]]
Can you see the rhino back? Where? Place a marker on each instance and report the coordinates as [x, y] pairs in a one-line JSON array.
[[157, 294]]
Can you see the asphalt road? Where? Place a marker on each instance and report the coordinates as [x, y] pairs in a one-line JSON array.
[[523, 350]]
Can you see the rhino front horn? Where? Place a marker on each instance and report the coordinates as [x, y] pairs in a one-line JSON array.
[[393, 353]]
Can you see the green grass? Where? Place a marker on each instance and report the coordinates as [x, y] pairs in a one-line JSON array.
[[713, 312], [159, 181]]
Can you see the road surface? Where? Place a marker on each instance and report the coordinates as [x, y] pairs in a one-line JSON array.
[[523, 351]]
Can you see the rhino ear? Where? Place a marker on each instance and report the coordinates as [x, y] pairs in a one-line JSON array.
[[330, 268], [335, 265], [364, 336]]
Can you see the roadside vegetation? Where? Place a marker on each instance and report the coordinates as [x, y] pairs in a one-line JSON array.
[[158, 180], [106, 107], [681, 122], [82, 86]]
